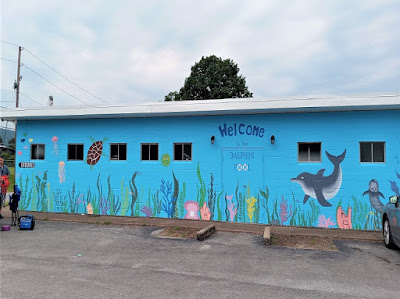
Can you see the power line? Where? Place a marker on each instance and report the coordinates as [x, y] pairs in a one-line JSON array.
[[88, 92], [22, 95], [3, 41], [65, 77], [31, 99], [24, 65], [8, 60]]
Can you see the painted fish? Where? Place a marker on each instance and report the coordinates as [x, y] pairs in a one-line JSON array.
[[319, 186]]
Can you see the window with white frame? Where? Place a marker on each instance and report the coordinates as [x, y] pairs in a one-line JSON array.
[[182, 151], [37, 151], [149, 152], [118, 151], [309, 152], [75, 152], [372, 152]]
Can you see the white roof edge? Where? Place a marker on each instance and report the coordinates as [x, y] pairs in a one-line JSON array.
[[211, 107]]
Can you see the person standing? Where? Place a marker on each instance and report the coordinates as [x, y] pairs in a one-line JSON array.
[[4, 172]]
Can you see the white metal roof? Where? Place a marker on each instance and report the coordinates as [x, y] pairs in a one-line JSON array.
[[210, 107]]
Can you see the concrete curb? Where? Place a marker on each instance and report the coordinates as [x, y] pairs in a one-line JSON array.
[[205, 232], [267, 235], [258, 229]]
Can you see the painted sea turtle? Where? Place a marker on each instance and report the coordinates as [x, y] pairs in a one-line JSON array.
[[95, 151]]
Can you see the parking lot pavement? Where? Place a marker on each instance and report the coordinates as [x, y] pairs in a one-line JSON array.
[[75, 260]]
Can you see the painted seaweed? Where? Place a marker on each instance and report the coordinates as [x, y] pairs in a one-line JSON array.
[[211, 197], [134, 192], [26, 197], [201, 188], [157, 204], [305, 218], [115, 204], [181, 209], [40, 192], [125, 198], [265, 195], [169, 198], [175, 195], [73, 199], [218, 202]]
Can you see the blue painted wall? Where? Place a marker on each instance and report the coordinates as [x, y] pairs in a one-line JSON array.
[[241, 177]]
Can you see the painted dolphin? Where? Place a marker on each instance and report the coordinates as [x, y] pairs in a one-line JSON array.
[[374, 193], [319, 186]]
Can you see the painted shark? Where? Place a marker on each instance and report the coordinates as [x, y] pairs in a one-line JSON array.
[[319, 186]]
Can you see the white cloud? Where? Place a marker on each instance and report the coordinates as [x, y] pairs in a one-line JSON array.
[[131, 51]]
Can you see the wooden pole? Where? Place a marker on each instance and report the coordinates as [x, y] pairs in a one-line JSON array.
[[18, 76]]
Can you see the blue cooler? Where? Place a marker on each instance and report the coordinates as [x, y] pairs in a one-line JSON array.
[[26, 222]]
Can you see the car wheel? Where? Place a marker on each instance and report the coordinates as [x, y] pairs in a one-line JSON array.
[[387, 234]]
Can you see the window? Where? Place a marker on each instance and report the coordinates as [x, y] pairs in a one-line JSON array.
[[372, 152], [149, 151], [118, 151], [182, 151], [75, 152], [37, 151], [309, 152]]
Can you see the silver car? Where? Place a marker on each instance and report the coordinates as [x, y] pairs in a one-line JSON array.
[[391, 222]]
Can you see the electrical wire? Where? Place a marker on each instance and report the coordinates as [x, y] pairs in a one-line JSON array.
[[20, 94], [24, 65], [26, 50], [104, 101], [8, 60], [3, 41], [30, 98]]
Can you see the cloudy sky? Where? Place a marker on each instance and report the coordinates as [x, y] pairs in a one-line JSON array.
[[125, 52]]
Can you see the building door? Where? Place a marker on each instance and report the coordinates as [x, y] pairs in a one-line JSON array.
[[242, 168]]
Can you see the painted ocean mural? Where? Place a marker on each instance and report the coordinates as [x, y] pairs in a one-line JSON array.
[[241, 176]]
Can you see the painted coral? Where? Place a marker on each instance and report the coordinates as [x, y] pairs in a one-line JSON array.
[[343, 220], [205, 212], [89, 209], [324, 222], [285, 214], [231, 207], [250, 207], [192, 208], [147, 211]]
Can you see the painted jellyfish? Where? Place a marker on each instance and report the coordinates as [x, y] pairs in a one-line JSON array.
[[55, 145], [61, 171]]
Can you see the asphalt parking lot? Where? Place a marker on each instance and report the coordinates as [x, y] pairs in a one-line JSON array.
[[75, 260]]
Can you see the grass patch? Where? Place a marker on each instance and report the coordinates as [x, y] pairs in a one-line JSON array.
[[303, 242], [107, 222], [180, 232]]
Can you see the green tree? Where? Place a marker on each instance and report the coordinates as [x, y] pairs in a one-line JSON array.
[[1, 140], [212, 78], [11, 143]]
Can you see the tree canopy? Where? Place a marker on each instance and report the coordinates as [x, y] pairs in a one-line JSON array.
[[11, 143], [212, 78]]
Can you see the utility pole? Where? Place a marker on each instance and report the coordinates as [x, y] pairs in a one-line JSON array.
[[18, 76]]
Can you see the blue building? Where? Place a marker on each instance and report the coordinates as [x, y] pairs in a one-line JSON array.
[[318, 162]]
